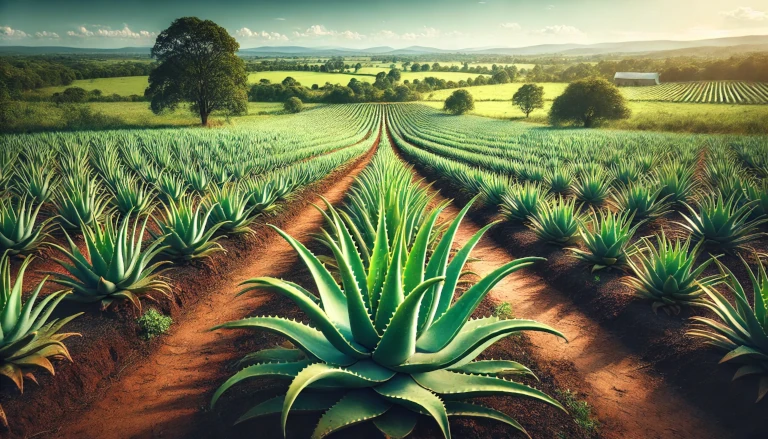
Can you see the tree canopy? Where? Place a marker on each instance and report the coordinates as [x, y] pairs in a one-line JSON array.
[[293, 105], [587, 101], [197, 64], [528, 98], [459, 102]]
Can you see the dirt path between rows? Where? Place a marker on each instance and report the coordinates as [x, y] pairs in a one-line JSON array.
[[629, 401], [165, 394]]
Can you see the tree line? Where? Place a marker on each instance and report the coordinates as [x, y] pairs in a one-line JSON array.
[[20, 74]]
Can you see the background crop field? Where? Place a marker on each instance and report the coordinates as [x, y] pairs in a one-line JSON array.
[[652, 116], [498, 92]]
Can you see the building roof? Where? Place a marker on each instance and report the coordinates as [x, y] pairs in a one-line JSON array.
[[635, 75]]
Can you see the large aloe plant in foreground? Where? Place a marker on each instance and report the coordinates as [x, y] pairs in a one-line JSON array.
[[387, 343], [29, 339]]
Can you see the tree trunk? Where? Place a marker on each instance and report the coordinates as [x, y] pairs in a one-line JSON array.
[[204, 117], [587, 122]]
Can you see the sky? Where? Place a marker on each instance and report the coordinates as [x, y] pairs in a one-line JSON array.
[[445, 24]]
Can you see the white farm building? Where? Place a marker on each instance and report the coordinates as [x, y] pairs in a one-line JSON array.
[[636, 79]]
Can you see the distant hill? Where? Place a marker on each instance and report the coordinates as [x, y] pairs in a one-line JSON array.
[[719, 46]]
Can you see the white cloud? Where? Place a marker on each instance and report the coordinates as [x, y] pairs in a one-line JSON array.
[[511, 26], [559, 29], [247, 33], [46, 34], [745, 13], [319, 30], [425, 33], [280, 19], [550, 7], [106, 32], [81, 32], [9, 32]]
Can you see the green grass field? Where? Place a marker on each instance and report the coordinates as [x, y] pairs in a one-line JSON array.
[[499, 92], [652, 116]]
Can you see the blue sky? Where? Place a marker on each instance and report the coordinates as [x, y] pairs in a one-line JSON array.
[[448, 24]]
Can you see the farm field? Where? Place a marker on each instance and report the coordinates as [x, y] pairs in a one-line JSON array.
[[582, 199], [650, 116], [728, 92], [499, 92]]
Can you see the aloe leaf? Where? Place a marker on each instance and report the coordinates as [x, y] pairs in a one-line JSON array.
[[397, 423], [398, 342], [315, 402], [308, 339], [379, 262], [404, 391], [333, 299], [446, 327], [263, 370], [455, 385], [355, 407], [493, 367], [464, 409], [392, 290]]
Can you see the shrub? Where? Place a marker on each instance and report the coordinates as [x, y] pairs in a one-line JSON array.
[[153, 323], [588, 101], [293, 105], [459, 102]]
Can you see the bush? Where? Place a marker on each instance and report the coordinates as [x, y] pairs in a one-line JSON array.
[[153, 323], [459, 102], [588, 101], [293, 105]]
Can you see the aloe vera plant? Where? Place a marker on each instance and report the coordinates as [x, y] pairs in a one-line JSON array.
[[592, 188], [641, 201], [665, 274], [557, 221], [19, 233], [559, 179], [29, 338], [115, 267], [132, 197], [171, 187], [387, 343], [229, 207], [185, 233], [522, 202], [741, 330], [677, 181], [758, 194], [35, 181], [607, 240], [80, 203], [721, 223]]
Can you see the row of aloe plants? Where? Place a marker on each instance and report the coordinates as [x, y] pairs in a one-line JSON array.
[[664, 271], [390, 340], [123, 259]]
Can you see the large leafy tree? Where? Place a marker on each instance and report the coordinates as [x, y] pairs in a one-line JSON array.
[[197, 64], [587, 101], [459, 102], [528, 98]]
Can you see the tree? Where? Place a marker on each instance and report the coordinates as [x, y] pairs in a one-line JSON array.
[[459, 102], [394, 75], [290, 82], [197, 64], [528, 98], [588, 101], [293, 105], [415, 67], [501, 77], [358, 66]]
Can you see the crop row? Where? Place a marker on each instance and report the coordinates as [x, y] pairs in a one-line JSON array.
[[714, 92], [571, 195], [142, 202]]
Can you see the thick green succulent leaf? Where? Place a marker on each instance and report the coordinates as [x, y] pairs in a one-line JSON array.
[[355, 407], [345, 344], [403, 390], [314, 402], [278, 354], [308, 339], [454, 270], [379, 263], [392, 290], [413, 274], [398, 342], [263, 370], [365, 374], [455, 385], [449, 324], [456, 408], [333, 299], [397, 423], [493, 367], [437, 265]]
